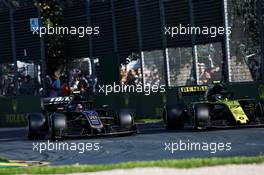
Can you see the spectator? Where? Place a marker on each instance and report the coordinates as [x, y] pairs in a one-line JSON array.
[[10, 89], [254, 67], [92, 81], [124, 75], [131, 78], [75, 83], [55, 89], [131, 74], [204, 75], [26, 87], [64, 86], [48, 82]]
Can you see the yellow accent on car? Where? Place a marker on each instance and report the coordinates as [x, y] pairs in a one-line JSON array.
[[193, 89], [237, 111]]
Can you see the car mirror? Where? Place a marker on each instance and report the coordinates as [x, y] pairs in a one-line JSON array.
[[105, 106], [60, 109]]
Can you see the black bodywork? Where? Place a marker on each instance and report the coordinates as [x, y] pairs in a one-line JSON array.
[[70, 117]]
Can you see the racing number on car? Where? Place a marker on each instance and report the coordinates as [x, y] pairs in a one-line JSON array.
[[93, 117], [94, 120]]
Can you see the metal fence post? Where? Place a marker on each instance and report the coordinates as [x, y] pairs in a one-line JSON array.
[[114, 25], [226, 61], [262, 39], [139, 39], [13, 40], [164, 45], [194, 48], [260, 23], [42, 57], [90, 39]]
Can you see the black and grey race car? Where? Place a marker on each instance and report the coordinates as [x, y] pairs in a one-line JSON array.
[[72, 117], [217, 109]]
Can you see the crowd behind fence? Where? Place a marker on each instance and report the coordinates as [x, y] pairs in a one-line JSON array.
[[173, 65]]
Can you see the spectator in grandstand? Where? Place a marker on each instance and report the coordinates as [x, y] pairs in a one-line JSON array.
[[55, 89], [92, 82], [10, 89], [26, 87], [22, 87], [213, 68], [48, 83], [123, 75], [65, 89], [131, 73], [83, 84], [79, 83], [131, 79], [151, 75], [254, 67], [83, 79], [208, 71], [204, 75], [256, 70], [75, 83]]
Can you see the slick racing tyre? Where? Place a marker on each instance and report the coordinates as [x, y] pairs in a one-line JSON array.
[[125, 119], [35, 125], [201, 116], [58, 124], [173, 116]]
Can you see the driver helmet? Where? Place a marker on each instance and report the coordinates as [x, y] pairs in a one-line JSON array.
[[79, 107], [214, 88]]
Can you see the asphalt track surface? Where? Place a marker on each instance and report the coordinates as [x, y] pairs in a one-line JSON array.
[[149, 144]]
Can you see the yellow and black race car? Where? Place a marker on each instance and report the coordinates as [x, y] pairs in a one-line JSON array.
[[218, 109]]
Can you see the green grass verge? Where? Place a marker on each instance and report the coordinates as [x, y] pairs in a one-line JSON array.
[[186, 163], [149, 120]]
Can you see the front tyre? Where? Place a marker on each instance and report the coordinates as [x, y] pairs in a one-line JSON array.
[[125, 120], [201, 116], [173, 116]]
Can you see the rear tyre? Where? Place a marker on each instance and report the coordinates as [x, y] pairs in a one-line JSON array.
[[173, 116], [201, 116], [58, 124], [35, 126]]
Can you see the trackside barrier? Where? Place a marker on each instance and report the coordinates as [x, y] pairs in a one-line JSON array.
[[13, 110], [151, 106]]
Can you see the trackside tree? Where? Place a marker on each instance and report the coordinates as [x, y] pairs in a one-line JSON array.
[[51, 16], [248, 11]]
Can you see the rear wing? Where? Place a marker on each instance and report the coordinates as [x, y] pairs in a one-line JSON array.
[[192, 93], [192, 90], [55, 103]]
